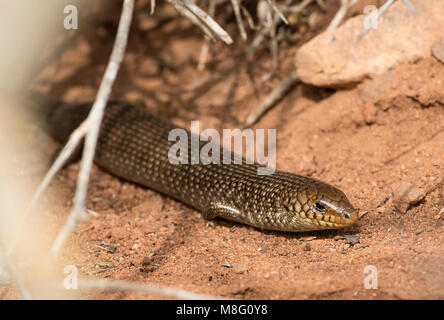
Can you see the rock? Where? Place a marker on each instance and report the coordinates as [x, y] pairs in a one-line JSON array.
[[338, 58], [369, 112], [146, 261], [380, 85], [405, 195], [438, 50], [352, 239], [239, 268]]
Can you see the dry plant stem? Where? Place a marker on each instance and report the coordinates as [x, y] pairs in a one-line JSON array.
[[410, 6], [203, 55], [278, 12], [249, 18], [301, 6], [103, 284], [94, 119], [255, 43], [274, 47], [237, 14], [271, 99], [196, 85], [321, 4], [206, 46], [380, 12], [210, 27], [152, 6], [340, 15]]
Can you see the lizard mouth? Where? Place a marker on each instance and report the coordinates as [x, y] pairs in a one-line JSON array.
[[333, 218]]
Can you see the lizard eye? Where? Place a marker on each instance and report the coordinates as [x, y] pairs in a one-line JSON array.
[[319, 207]]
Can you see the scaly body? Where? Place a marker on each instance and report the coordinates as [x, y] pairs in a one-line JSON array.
[[133, 144]]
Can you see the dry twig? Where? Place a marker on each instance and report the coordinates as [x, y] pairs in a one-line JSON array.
[[93, 122], [380, 12], [271, 99], [237, 14], [206, 46], [152, 6], [278, 12], [103, 284], [340, 15]]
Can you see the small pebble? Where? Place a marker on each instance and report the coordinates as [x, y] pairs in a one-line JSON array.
[[405, 195], [239, 268], [263, 250], [307, 247], [352, 239], [147, 261]]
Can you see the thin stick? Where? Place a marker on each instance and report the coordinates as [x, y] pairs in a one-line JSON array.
[[111, 285], [209, 21], [340, 15], [301, 6], [278, 12], [410, 6], [321, 4], [152, 6], [95, 118], [380, 12], [203, 55], [271, 99], [249, 18], [206, 46], [271, 25], [210, 27], [237, 14]]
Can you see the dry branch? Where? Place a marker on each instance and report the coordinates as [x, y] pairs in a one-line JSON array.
[[93, 121], [111, 285], [200, 18], [340, 15], [380, 12], [237, 14], [271, 99]]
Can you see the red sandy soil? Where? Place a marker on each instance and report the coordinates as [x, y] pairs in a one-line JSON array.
[[364, 140]]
